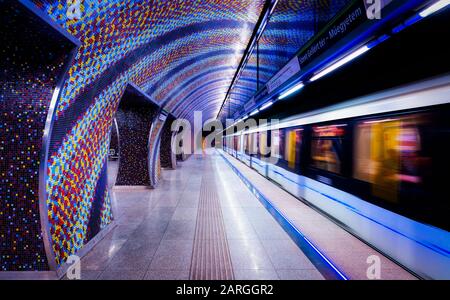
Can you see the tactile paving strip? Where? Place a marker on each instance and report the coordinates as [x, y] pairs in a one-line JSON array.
[[211, 258]]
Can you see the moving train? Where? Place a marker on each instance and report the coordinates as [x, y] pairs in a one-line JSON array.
[[378, 165]]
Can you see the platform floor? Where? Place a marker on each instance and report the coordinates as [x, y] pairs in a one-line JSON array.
[[201, 222]]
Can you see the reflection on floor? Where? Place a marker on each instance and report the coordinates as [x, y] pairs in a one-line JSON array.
[[158, 231]]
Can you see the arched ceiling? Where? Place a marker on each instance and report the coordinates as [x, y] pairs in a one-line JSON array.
[[291, 25], [183, 53]]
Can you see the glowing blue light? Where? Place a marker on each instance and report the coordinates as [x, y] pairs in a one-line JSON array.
[[341, 62], [434, 8], [254, 112], [292, 90], [268, 104]]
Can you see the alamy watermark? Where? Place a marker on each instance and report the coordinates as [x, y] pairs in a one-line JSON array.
[[374, 269], [74, 269], [373, 8], [73, 9]]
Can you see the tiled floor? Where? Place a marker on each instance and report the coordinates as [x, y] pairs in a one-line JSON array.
[[155, 231]]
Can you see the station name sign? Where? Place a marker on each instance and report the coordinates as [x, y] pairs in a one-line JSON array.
[[289, 70], [333, 33], [250, 104], [356, 14], [353, 16]]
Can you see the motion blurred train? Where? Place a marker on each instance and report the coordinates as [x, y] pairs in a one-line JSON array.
[[378, 165]]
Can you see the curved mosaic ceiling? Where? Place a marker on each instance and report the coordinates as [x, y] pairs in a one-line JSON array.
[[183, 53], [291, 25], [188, 51]]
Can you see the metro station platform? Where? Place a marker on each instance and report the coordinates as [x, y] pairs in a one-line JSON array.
[[332, 140], [203, 222]]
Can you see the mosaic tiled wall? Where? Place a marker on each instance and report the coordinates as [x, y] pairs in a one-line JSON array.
[[33, 56], [168, 159], [184, 54], [134, 119], [173, 50], [247, 85], [171, 46]]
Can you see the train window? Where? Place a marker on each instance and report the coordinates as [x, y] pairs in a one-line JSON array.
[[276, 144], [263, 144], [249, 143], [292, 146], [286, 147], [245, 144], [387, 154], [228, 143], [253, 143], [326, 147]]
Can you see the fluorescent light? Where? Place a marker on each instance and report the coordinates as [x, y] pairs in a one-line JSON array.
[[241, 119], [254, 112], [273, 7], [340, 63], [292, 90], [434, 8], [268, 104]]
